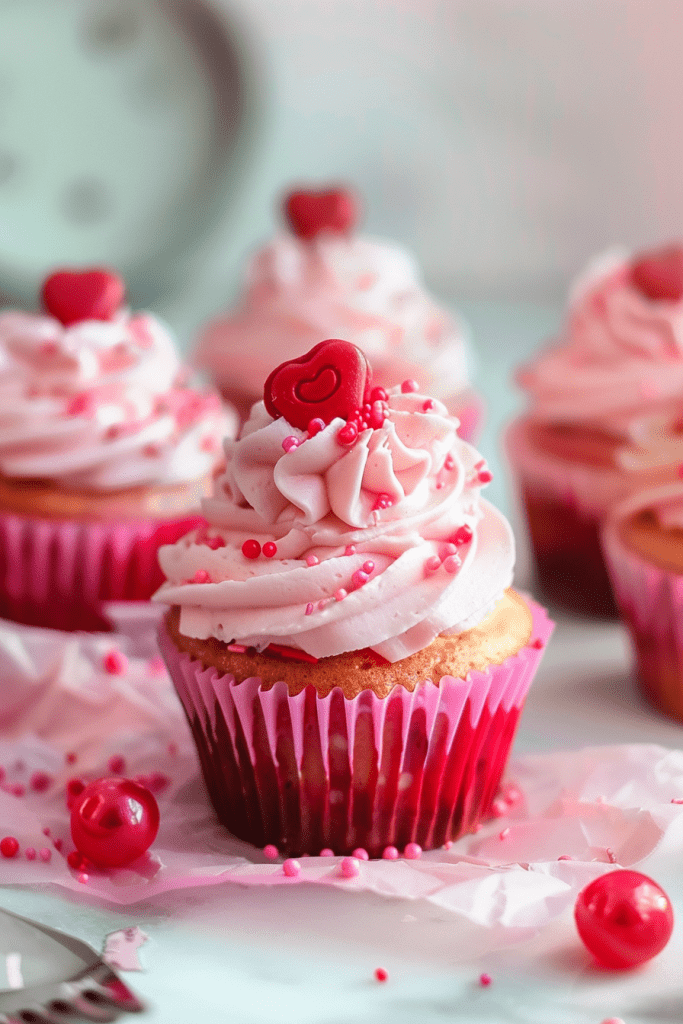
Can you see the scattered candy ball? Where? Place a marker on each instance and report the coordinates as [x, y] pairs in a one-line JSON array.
[[413, 851], [360, 854], [269, 549], [9, 847], [291, 868], [390, 853], [350, 867], [271, 852], [114, 821], [251, 548], [485, 980], [381, 974], [327, 852], [623, 918], [115, 662], [45, 854]]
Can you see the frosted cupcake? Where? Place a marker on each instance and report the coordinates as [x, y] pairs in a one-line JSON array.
[[318, 279], [104, 452], [343, 635], [643, 545], [604, 419]]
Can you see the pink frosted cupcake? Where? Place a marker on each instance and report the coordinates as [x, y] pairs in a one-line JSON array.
[[319, 279], [104, 452], [343, 635], [604, 420], [643, 545]]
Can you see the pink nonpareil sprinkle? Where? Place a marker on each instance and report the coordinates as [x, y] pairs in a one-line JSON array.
[[368, 567], [271, 852], [359, 578], [326, 852], [350, 867], [340, 594], [452, 564], [350, 549], [485, 980], [83, 878], [447, 549], [201, 576], [115, 662], [504, 834], [360, 854], [413, 851], [389, 853], [45, 855], [312, 560], [209, 444], [289, 443], [291, 868], [30, 853], [309, 608], [409, 386], [116, 764], [40, 781], [499, 807], [432, 565]]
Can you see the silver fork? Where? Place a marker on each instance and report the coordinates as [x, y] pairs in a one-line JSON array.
[[69, 980]]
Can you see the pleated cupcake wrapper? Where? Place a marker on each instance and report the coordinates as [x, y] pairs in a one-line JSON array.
[[650, 600], [309, 772], [58, 572]]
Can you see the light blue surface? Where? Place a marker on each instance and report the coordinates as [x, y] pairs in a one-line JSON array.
[[306, 955]]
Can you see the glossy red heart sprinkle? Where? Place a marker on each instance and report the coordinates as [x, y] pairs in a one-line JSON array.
[[309, 213], [623, 918], [114, 821], [329, 381], [659, 274], [75, 295]]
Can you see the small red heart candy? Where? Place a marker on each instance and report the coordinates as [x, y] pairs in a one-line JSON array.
[[659, 274], [75, 295], [310, 213], [331, 380]]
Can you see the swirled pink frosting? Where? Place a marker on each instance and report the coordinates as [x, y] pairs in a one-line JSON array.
[[299, 292], [368, 552], [100, 405], [619, 357]]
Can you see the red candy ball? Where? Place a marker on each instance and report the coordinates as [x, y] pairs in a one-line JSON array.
[[658, 275], [623, 918], [114, 821], [251, 548]]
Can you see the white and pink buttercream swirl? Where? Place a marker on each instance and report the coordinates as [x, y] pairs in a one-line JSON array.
[[619, 356], [100, 405], [299, 292], [368, 551]]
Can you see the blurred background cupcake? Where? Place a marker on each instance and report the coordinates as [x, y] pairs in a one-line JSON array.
[[605, 417], [643, 544], [320, 278], [343, 635], [105, 452]]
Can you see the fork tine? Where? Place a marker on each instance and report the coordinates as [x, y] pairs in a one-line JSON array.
[[34, 1014]]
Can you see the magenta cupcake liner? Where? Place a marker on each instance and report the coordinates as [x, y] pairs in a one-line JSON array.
[[57, 573], [650, 601], [309, 772]]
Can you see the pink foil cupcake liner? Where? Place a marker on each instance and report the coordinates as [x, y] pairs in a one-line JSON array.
[[650, 600], [57, 573], [307, 772]]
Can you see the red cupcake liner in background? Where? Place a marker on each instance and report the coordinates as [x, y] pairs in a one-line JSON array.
[[650, 600], [305, 772], [57, 573]]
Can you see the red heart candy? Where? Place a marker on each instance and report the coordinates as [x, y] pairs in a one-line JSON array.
[[331, 380], [659, 274], [75, 295], [310, 213]]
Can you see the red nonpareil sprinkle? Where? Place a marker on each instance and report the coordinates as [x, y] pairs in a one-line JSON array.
[[214, 543], [251, 548], [291, 868], [537, 644], [271, 852], [9, 847], [428, 405], [71, 757], [82, 404], [290, 652], [237, 648], [381, 974], [45, 854], [40, 781], [312, 560], [383, 501], [115, 662], [269, 549], [17, 789], [74, 788], [485, 476], [378, 394], [409, 386], [359, 578], [309, 609], [315, 426], [350, 549], [348, 434], [463, 535], [201, 576], [46, 830], [485, 980], [368, 567], [116, 765], [377, 415], [76, 861], [58, 843]]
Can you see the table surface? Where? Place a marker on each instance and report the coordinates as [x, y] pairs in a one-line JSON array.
[[306, 954]]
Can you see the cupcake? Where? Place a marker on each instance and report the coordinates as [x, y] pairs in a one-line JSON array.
[[318, 279], [343, 635], [104, 452], [604, 418], [643, 546]]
